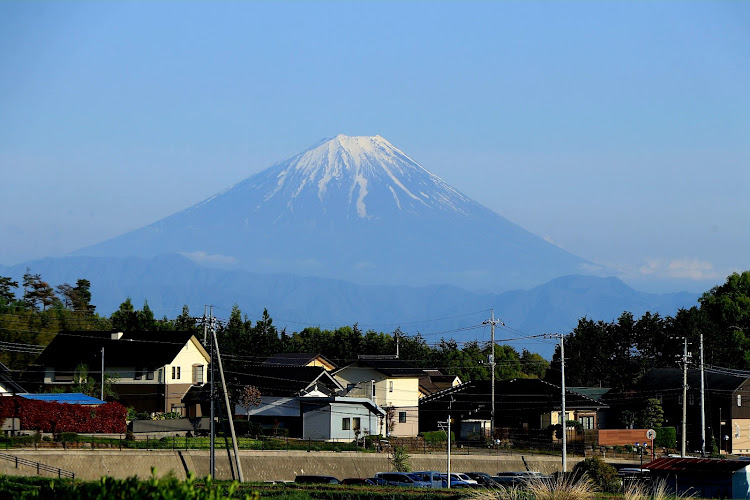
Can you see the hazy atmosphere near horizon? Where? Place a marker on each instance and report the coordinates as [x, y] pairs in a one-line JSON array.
[[619, 131]]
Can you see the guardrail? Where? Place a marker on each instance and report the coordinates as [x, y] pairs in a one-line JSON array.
[[39, 466]]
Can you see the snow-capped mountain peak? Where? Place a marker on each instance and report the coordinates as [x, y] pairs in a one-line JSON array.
[[374, 176]]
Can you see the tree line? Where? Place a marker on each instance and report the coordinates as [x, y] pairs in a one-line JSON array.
[[40, 311], [618, 353], [598, 353]]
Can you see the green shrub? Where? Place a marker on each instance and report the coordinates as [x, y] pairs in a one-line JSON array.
[[603, 475], [132, 488], [437, 437], [666, 437], [66, 437]]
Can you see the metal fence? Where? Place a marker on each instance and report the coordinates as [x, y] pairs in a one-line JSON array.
[[38, 466]]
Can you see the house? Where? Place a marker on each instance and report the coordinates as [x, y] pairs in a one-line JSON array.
[[340, 418], [727, 406], [318, 417], [281, 388], [524, 408], [432, 381], [391, 384], [300, 359], [703, 477], [149, 371]]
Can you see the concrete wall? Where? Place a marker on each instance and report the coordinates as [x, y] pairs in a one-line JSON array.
[[258, 465]]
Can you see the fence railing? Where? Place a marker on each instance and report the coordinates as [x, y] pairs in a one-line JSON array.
[[38, 466]]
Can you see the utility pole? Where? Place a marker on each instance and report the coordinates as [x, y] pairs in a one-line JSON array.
[[102, 393], [562, 399], [230, 412], [212, 424], [684, 397], [564, 414], [703, 407], [449, 451], [492, 322]]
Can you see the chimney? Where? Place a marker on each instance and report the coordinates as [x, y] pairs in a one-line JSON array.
[[116, 335]]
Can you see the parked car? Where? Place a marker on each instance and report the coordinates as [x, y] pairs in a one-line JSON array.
[[432, 477], [517, 478], [316, 480], [362, 481], [482, 478], [402, 479], [456, 482]]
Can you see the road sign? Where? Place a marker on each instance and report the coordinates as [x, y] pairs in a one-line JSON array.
[[651, 434]]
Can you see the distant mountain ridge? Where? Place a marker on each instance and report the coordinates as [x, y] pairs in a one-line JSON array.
[[169, 282], [355, 209]]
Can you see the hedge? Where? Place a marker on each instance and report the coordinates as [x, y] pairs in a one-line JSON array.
[[53, 417], [666, 437]]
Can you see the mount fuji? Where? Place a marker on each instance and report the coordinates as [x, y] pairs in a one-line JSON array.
[[355, 209]]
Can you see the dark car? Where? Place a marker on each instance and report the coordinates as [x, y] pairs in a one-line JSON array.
[[316, 480], [517, 478], [482, 478], [358, 480]]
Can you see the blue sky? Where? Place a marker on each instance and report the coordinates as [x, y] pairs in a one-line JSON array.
[[619, 131]]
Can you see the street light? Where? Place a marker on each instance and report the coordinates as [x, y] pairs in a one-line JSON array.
[[640, 453]]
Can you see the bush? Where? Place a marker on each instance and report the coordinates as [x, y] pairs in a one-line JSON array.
[[666, 437], [66, 437], [603, 475], [437, 437]]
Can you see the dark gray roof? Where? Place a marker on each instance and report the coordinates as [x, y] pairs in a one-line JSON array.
[[661, 379], [285, 380], [146, 349], [389, 366]]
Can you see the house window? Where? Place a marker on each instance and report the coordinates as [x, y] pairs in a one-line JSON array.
[[150, 375], [345, 424], [138, 374], [197, 374], [175, 373], [587, 422], [355, 423], [402, 417], [739, 399], [390, 386]]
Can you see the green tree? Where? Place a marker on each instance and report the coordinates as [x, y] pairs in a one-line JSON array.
[[125, 319], [37, 291], [6, 290], [87, 384], [82, 294], [727, 309], [651, 415], [533, 365], [145, 319]]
